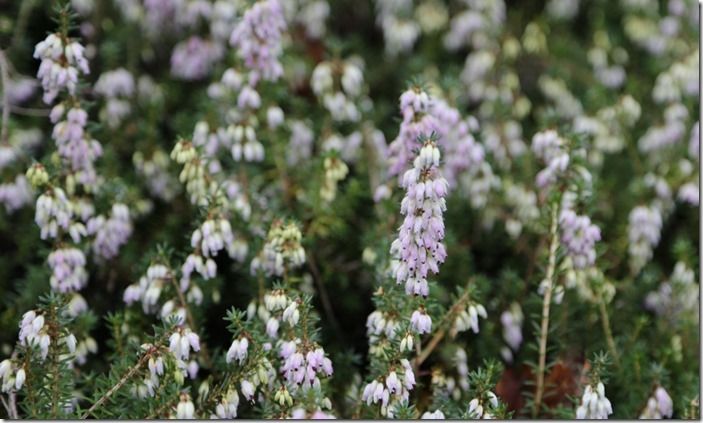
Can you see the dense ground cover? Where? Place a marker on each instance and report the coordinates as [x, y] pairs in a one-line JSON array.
[[360, 209]]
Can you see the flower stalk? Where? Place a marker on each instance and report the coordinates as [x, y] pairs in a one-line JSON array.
[[544, 327]]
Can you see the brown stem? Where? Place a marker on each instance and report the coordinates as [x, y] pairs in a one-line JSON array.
[[119, 384], [430, 347], [28, 386], [437, 338], [55, 365]]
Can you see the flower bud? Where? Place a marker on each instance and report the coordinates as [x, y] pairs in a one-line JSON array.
[[37, 175]]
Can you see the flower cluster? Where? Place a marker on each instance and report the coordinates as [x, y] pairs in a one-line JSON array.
[[147, 386], [245, 145], [419, 248], [278, 307], [644, 230], [511, 319], [238, 350], [212, 236], [579, 236], [282, 251], [566, 103], [61, 62], [227, 407], [391, 389], [67, 270], [669, 133], [12, 377], [421, 322], [550, 148], [678, 81], [116, 86], [378, 324], [15, 195], [418, 121], [74, 143], [677, 297], [335, 170], [257, 39], [34, 331], [303, 366], [194, 58], [468, 319], [338, 85], [480, 408], [399, 32], [53, 213], [182, 341], [474, 24], [433, 415], [456, 137], [185, 408], [609, 126], [198, 183], [609, 71], [111, 233], [594, 404], [659, 405], [149, 288]]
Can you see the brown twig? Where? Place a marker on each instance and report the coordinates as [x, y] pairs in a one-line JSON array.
[[119, 384], [437, 338]]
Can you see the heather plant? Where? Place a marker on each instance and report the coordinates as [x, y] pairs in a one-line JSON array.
[[431, 209]]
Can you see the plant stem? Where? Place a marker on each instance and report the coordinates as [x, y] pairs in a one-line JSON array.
[[437, 338], [13, 405], [119, 384], [430, 347], [544, 329], [605, 320], [9, 405], [25, 111], [28, 386], [5, 78], [55, 370]]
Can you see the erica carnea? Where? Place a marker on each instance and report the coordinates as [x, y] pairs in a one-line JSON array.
[[594, 404], [419, 248], [579, 236], [659, 405]]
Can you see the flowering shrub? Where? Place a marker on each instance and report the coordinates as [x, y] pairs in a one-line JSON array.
[[370, 209]]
